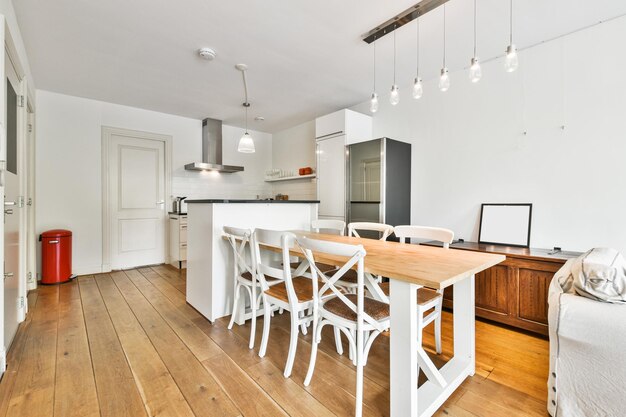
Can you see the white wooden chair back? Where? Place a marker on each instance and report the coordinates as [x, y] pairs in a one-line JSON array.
[[239, 239], [355, 255], [445, 236], [385, 229], [279, 239], [328, 224]]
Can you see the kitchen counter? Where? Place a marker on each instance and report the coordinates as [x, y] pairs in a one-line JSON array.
[[210, 260], [231, 201]]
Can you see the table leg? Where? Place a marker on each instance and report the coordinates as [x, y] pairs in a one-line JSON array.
[[464, 315], [403, 349]]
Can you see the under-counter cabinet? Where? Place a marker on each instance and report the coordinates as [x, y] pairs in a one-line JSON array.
[[514, 292], [178, 240]]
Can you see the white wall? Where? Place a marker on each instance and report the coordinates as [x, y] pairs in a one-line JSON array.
[[294, 148], [469, 146], [69, 165]]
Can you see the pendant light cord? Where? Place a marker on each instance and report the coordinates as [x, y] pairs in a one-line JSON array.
[[374, 64], [394, 55], [246, 106], [444, 35], [417, 56], [511, 23], [474, 28]]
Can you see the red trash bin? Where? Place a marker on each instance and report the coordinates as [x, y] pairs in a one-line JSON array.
[[56, 256]]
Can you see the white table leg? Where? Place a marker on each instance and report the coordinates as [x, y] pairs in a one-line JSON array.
[[403, 349], [465, 323]]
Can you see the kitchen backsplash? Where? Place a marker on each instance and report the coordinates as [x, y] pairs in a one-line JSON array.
[[195, 187]]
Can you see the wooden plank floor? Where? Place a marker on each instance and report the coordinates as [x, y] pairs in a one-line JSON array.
[[127, 344]]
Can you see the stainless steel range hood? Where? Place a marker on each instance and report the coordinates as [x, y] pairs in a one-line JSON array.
[[212, 150]]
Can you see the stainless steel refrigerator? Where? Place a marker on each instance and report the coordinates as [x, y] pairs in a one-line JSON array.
[[379, 182]]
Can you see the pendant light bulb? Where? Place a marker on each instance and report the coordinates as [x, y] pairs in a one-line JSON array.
[[418, 88], [374, 103], [475, 72], [511, 61], [444, 80], [394, 96], [246, 144]]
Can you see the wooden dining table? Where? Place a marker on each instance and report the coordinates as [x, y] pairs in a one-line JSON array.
[[410, 267]]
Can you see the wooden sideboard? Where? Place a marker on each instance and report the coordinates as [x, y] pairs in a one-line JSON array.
[[514, 292]]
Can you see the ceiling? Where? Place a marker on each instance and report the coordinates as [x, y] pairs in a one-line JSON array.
[[305, 59]]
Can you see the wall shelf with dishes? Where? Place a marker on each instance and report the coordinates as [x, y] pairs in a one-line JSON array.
[[274, 175]]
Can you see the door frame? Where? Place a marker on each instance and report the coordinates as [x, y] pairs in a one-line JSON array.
[[107, 134]]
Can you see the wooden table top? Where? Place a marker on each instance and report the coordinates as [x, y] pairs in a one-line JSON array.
[[431, 267]]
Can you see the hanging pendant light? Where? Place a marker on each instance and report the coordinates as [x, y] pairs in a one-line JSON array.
[[511, 61], [475, 72], [444, 79], [418, 88], [394, 96], [374, 99], [246, 144]]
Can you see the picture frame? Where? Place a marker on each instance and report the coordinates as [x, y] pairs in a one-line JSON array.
[[505, 224]]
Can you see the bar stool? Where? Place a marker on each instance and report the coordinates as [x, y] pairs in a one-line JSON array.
[[427, 298]]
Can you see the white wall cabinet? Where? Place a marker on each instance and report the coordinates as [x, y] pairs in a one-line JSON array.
[[356, 127], [178, 240]]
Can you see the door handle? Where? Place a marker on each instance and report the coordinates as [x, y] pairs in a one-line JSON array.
[[160, 202], [10, 203], [8, 211], [8, 275]]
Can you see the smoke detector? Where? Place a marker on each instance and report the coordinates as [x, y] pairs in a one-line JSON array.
[[207, 53]]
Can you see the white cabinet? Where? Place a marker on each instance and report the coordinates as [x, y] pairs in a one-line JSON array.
[[356, 127], [331, 174], [178, 240], [333, 133]]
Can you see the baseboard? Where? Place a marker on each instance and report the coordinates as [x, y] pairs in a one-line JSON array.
[[3, 360], [89, 269]]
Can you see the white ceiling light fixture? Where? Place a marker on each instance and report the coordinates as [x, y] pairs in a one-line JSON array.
[[394, 96], [475, 72], [207, 53], [418, 88], [444, 79], [374, 99], [246, 144], [511, 61]]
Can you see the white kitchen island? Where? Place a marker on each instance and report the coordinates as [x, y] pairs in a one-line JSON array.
[[209, 256]]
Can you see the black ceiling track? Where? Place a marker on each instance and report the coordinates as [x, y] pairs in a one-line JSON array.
[[402, 19]]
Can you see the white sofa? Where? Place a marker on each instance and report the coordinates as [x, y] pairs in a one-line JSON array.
[[587, 353]]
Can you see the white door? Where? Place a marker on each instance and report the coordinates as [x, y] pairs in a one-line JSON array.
[[12, 210], [137, 184], [331, 177]]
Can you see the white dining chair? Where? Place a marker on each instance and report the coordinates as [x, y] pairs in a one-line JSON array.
[[359, 317], [244, 277], [294, 294], [334, 226], [337, 227], [349, 280], [427, 299], [384, 230]]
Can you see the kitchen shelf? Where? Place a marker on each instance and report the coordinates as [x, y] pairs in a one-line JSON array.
[[295, 177]]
